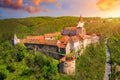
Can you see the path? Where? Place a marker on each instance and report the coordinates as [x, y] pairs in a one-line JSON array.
[[108, 62]]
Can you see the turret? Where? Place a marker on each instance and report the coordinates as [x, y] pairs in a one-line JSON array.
[[67, 65], [80, 23], [16, 40]]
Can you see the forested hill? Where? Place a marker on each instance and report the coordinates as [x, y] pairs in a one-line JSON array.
[[18, 64], [36, 26], [42, 25]]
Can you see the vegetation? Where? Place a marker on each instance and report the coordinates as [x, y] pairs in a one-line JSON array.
[[91, 64], [18, 64], [114, 45]]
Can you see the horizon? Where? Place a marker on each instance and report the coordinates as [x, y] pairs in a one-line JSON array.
[[57, 8], [58, 17]]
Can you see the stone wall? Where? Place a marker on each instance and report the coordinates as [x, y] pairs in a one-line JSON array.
[[51, 51], [67, 66]]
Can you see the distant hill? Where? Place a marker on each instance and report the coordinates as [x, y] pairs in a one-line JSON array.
[[42, 25]]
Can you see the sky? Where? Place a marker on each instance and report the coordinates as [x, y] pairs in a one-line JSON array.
[[34, 8]]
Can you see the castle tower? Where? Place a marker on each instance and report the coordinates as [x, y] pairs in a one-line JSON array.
[[80, 23], [67, 65], [16, 40], [80, 27]]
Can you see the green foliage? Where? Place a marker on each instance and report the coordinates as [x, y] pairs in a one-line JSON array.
[[58, 37], [2, 76], [18, 64], [26, 72], [114, 45], [92, 61], [20, 51], [10, 68], [3, 72]]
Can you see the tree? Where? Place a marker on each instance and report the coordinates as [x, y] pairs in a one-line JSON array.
[[2, 76], [20, 50]]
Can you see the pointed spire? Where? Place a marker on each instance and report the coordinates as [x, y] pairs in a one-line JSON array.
[[80, 23], [15, 37], [81, 19]]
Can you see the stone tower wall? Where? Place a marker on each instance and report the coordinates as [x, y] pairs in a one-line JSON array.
[[67, 67]]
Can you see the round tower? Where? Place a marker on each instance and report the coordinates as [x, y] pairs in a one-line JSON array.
[[67, 65]]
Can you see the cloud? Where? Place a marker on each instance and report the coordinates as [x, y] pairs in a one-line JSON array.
[[46, 10], [19, 5], [9, 3], [107, 5], [37, 2], [57, 5], [32, 9], [50, 1]]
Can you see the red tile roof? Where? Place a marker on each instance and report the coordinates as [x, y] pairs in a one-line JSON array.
[[50, 35], [61, 45], [64, 59], [64, 39], [91, 33], [75, 38], [22, 40], [86, 36], [42, 40], [33, 39], [81, 19]]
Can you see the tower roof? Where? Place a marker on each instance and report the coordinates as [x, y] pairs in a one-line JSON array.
[[81, 19], [80, 23], [15, 36]]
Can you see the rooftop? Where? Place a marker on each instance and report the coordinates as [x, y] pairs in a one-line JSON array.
[[67, 59], [50, 35], [64, 39], [75, 38], [70, 28]]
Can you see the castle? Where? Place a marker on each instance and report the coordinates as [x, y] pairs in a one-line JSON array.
[[68, 44]]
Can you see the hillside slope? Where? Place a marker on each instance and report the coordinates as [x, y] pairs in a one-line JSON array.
[[17, 63]]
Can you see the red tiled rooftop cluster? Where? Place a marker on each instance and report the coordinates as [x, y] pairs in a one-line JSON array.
[[33, 39], [59, 43], [64, 39]]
